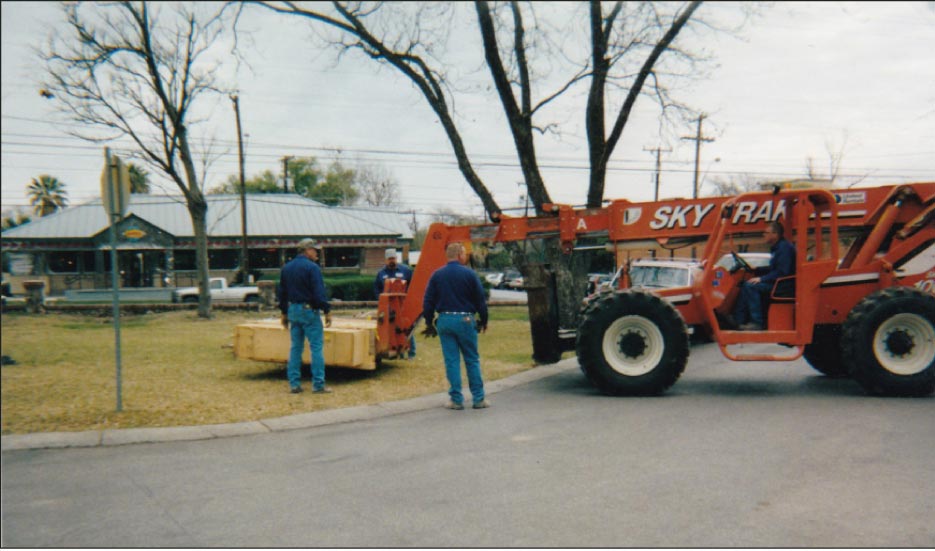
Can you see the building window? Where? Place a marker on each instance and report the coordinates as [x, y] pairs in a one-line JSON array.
[[61, 262], [184, 260], [264, 258], [224, 259], [88, 264], [218, 259], [342, 257]]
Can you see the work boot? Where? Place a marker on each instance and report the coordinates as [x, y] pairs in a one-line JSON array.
[[726, 321], [482, 404], [752, 326], [322, 390], [295, 390], [453, 405]]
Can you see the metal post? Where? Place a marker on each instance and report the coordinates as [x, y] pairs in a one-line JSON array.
[[114, 218], [285, 173], [244, 252]]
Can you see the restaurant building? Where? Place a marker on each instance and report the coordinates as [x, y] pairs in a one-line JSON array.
[[70, 249]]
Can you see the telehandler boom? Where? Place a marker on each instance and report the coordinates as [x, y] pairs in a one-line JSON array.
[[863, 305]]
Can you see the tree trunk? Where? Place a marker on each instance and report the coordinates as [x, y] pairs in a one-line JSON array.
[[542, 319], [594, 110], [199, 214], [518, 117], [571, 283], [198, 208]]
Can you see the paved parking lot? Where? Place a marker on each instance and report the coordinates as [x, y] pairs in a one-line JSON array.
[[747, 455]]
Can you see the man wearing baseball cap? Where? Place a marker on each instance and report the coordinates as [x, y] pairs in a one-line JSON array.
[[394, 270], [302, 300]]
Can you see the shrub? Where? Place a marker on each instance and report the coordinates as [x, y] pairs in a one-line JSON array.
[[350, 287]]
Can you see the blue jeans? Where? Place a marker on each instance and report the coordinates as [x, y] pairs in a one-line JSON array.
[[458, 336], [412, 346], [749, 307], [305, 323]]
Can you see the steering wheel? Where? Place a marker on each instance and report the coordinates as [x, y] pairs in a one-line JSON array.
[[742, 263]]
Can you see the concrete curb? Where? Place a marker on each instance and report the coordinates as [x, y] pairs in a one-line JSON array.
[[120, 437]]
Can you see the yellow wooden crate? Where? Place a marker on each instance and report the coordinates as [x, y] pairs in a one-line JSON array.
[[348, 343]]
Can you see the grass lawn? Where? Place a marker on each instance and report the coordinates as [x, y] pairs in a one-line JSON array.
[[178, 369]]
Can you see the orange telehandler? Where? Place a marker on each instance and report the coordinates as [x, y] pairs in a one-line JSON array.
[[864, 285]]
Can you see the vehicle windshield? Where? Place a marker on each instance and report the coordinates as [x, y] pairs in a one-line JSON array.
[[658, 277], [756, 260]]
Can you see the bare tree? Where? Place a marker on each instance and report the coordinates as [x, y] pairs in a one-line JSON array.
[[377, 186], [400, 43], [403, 37], [734, 185], [835, 158], [627, 46], [128, 71], [618, 37]]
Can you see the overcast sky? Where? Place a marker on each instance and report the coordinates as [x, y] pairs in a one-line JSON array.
[[856, 77]]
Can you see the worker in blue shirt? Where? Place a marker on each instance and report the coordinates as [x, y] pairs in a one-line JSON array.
[[455, 292], [748, 312], [394, 270], [302, 300]]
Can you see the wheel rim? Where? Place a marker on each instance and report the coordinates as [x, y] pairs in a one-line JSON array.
[[905, 344], [633, 345]]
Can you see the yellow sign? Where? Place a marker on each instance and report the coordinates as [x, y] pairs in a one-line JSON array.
[[134, 234]]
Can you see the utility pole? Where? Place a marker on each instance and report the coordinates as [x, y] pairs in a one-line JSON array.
[[244, 254], [697, 138], [285, 173], [525, 198], [658, 151]]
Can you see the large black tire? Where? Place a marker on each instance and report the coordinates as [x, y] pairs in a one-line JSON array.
[[889, 340], [190, 299], [824, 352], [632, 343]]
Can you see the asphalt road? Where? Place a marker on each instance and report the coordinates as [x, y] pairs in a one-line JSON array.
[[735, 455]]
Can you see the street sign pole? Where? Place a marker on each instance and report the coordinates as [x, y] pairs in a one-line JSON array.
[[113, 274], [115, 195]]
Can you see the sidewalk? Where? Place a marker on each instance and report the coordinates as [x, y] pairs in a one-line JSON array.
[[118, 437]]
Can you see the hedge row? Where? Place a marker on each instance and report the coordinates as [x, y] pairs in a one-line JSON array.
[[350, 287], [360, 287]]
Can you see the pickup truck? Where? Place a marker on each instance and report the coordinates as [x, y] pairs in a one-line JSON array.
[[220, 292]]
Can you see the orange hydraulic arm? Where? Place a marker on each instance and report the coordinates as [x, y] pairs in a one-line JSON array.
[[669, 221]]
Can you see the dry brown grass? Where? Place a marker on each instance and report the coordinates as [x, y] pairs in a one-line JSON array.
[[177, 370]]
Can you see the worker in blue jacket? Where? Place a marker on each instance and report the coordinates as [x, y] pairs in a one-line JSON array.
[[455, 293], [748, 312], [302, 300], [394, 270]]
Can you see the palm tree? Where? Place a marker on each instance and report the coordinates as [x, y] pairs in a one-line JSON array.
[[47, 194], [139, 178], [12, 218]]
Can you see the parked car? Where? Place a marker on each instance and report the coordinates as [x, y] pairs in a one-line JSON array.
[[220, 292], [661, 273], [512, 279], [654, 273], [495, 279], [597, 282]]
